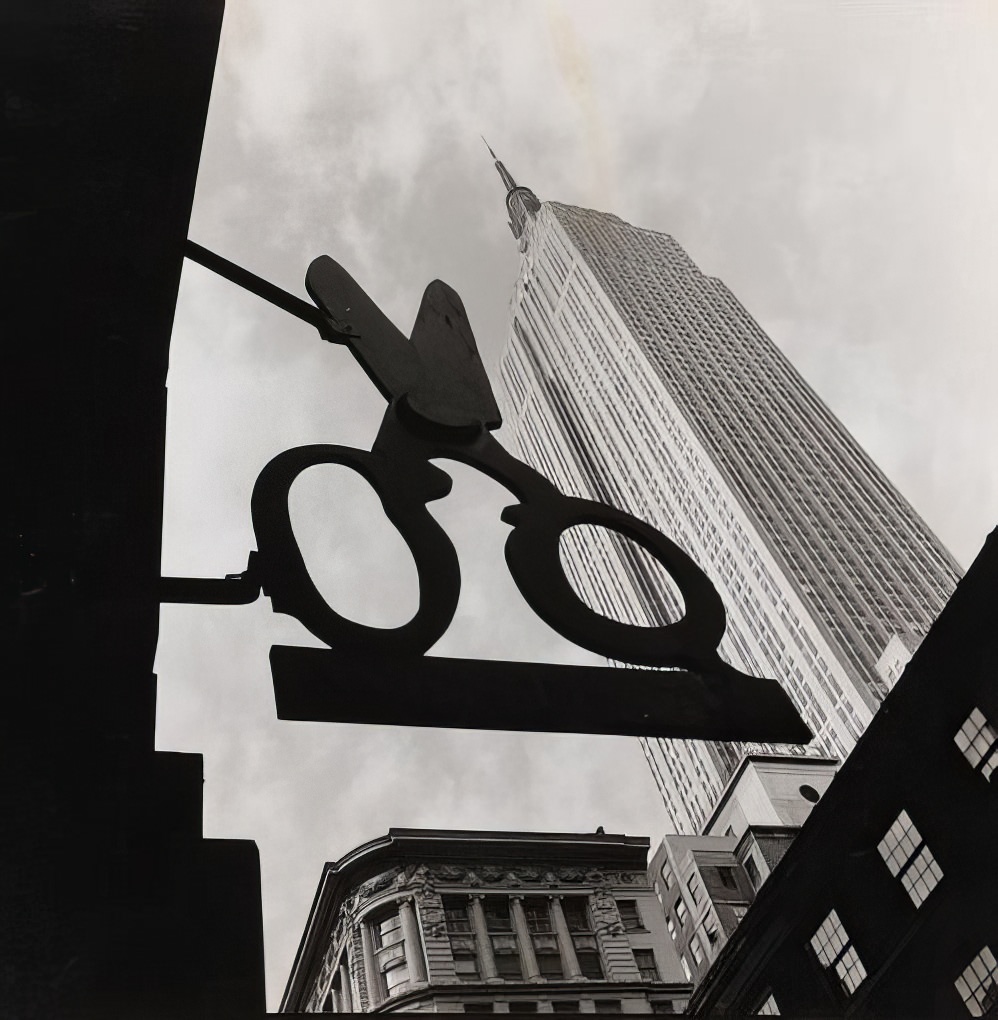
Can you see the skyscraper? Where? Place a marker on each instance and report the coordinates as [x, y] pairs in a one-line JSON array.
[[631, 377]]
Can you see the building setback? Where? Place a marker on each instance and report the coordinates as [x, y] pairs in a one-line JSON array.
[[632, 378], [450, 921], [886, 903]]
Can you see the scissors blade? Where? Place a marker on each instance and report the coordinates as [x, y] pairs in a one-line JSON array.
[[454, 388], [384, 353]]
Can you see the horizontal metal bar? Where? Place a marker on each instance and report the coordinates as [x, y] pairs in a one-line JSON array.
[[232, 591], [324, 685], [256, 285]]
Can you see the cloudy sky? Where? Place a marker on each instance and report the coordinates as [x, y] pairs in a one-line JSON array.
[[835, 163]]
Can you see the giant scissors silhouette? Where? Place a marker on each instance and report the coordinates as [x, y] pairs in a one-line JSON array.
[[441, 405]]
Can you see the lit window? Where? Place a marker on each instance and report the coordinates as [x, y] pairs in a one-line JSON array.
[[629, 915], [768, 1008], [645, 959], [671, 925], [681, 911], [978, 984], [909, 859], [835, 951], [686, 968], [978, 740]]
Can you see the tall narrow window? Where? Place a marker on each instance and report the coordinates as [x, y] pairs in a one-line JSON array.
[[576, 909], [629, 915], [694, 887], [696, 949], [908, 858], [505, 948], [645, 959], [681, 911], [389, 949], [978, 740], [835, 952], [462, 941], [978, 984], [686, 967]]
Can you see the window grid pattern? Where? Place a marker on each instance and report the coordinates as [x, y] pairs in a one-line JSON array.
[[633, 378], [835, 952], [978, 741], [908, 858], [978, 984]]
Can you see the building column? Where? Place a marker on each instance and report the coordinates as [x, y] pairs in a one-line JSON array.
[[530, 969], [412, 943], [565, 944], [371, 973], [346, 992], [485, 955]]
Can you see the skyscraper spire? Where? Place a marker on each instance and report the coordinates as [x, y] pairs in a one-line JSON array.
[[520, 202], [507, 177]]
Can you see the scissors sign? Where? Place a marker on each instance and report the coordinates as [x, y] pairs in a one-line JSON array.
[[441, 405]]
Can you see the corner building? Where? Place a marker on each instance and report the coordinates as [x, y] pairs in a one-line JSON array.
[[632, 378], [443, 921]]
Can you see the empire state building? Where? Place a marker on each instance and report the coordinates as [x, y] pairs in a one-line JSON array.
[[632, 378]]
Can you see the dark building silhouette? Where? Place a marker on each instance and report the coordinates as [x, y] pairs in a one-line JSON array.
[[886, 903], [111, 902]]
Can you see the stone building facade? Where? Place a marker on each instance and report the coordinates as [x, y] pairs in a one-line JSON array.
[[457, 921]]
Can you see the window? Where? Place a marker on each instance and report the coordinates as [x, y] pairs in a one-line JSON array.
[[537, 913], [549, 962], [727, 877], [978, 740], [978, 984], [694, 887], [681, 911], [576, 910], [508, 963], [908, 858], [466, 966], [565, 1006], [645, 959], [389, 950], [589, 961], [768, 1008], [522, 1007], [629, 915], [710, 930], [753, 872], [456, 914], [607, 1006], [739, 910], [696, 950], [835, 951], [671, 925], [686, 967], [667, 876], [497, 914], [478, 1007]]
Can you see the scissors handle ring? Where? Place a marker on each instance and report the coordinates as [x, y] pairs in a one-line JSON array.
[[403, 495], [533, 555]]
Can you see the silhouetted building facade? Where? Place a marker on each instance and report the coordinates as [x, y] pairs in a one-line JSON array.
[[632, 378], [886, 903], [437, 920]]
